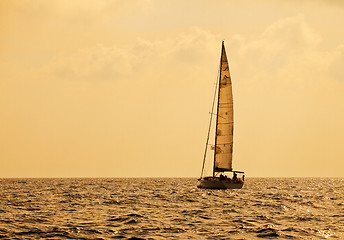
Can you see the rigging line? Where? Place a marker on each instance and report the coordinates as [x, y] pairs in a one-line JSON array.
[[211, 118]]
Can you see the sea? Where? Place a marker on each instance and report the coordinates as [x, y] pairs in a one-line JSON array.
[[170, 208]]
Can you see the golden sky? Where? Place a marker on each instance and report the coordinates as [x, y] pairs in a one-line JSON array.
[[119, 88]]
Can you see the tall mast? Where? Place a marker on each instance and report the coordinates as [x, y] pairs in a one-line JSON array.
[[217, 108]]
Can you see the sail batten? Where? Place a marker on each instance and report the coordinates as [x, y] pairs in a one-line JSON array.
[[224, 121]]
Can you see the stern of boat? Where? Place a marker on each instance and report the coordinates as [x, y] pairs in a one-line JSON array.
[[218, 183]]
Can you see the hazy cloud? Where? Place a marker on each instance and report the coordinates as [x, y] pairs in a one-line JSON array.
[[96, 63], [183, 52], [336, 68], [287, 51]]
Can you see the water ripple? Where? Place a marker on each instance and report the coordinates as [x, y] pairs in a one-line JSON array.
[[283, 208]]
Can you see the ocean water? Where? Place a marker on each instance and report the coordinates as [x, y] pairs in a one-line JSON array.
[[171, 208]]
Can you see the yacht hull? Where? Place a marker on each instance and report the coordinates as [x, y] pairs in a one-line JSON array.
[[218, 183]]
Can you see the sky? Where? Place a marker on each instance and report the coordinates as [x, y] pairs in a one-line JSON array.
[[118, 88]]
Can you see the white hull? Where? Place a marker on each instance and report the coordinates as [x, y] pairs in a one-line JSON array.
[[217, 183]]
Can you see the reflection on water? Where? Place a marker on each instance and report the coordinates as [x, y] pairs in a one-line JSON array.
[[151, 208]]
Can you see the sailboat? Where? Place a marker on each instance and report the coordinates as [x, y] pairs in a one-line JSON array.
[[223, 142]]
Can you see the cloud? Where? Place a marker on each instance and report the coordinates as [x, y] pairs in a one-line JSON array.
[[96, 63], [182, 53], [336, 67], [76, 12], [291, 32], [288, 52]]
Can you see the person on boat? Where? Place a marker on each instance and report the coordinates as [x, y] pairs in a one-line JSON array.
[[222, 177], [243, 177]]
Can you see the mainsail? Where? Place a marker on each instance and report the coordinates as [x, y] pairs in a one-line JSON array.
[[224, 122]]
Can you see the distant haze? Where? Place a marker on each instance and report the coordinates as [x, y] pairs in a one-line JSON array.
[[124, 88]]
